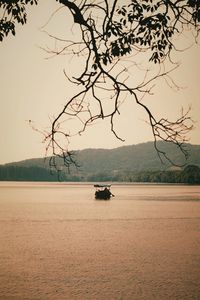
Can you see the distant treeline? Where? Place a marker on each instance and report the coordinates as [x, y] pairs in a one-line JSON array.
[[15, 173], [190, 174]]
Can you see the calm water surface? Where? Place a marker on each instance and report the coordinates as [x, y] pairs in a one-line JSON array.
[[57, 242]]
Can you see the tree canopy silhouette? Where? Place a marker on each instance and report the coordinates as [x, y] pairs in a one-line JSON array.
[[112, 35]]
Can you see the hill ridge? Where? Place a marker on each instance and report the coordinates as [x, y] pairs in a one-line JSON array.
[[136, 157], [100, 164]]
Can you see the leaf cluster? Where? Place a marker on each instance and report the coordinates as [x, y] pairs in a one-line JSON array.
[[148, 25], [14, 11]]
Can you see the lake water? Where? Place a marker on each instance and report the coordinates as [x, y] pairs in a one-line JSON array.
[[58, 243]]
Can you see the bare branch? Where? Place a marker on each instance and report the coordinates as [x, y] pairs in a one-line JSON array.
[[113, 38]]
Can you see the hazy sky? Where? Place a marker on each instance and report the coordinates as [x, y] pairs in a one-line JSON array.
[[34, 88]]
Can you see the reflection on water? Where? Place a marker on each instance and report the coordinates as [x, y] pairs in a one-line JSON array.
[[57, 242]]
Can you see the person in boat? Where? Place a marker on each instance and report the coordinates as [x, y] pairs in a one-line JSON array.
[[108, 192], [103, 192]]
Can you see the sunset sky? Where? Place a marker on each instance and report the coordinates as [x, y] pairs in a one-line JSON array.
[[33, 87]]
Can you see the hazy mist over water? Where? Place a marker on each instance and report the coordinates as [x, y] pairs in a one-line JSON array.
[[57, 242]]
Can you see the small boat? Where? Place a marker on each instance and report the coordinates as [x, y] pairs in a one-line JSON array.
[[103, 191]]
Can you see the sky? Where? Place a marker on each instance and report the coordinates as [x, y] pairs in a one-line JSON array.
[[33, 87]]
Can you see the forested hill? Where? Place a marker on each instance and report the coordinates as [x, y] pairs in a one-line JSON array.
[[140, 157], [127, 159]]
